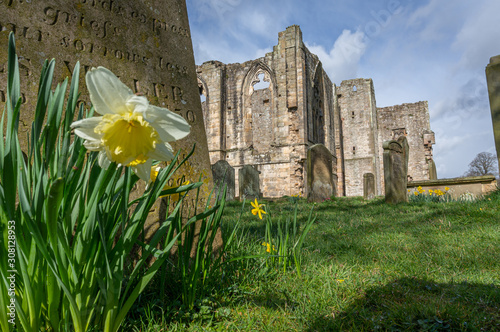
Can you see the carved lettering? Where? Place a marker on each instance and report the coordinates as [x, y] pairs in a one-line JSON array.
[[159, 25], [190, 116], [8, 27], [142, 88], [176, 93], [9, 2], [30, 33], [172, 67], [159, 90], [50, 15], [69, 67]]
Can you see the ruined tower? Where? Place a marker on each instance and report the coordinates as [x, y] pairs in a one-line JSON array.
[[269, 126], [268, 112], [358, 118]]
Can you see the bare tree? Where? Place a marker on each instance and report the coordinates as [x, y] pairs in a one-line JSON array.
[[484, 163]]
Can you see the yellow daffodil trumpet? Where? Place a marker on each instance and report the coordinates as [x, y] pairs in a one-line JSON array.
[[130, 132]]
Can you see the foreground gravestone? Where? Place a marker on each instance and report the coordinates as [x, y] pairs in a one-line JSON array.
[[368, 186], [146, 43], [248, 182], [493, 78], [320, 183], [396, 170], [224, 175]]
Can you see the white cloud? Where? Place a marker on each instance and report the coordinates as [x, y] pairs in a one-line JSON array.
[[479, 37], [436, 20], [342, 61], [216, 8]]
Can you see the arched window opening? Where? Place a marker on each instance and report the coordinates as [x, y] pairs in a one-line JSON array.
[[203, 97], [261, 83], [354, 89]]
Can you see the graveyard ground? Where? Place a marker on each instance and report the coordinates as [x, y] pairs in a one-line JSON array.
[[366, 266]]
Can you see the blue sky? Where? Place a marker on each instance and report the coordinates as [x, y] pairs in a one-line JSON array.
[[433, 50]]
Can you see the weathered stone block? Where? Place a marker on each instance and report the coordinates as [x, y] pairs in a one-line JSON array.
[[224, 175], [248, 180], [320, 183], [368, 186], [396, 170]]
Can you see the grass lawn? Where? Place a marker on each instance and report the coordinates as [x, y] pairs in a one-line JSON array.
[[366, 266]]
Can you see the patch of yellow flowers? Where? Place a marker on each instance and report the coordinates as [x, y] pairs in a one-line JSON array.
[[437, 192], [269, 248]]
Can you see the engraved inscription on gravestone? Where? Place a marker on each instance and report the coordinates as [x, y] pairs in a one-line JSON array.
[[146, 43]]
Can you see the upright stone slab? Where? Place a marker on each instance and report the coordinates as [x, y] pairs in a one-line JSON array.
[[396, 170], [432, 170], [248, 180], [146, 43], [320, 182], [368, 186], [224, 175], [493, 78]]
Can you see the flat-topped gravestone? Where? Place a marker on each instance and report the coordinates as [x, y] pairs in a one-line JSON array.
[[368, 186], [396, 170], [248, 181], [224, 175], [493, 78], [146, 43], [320, 182]]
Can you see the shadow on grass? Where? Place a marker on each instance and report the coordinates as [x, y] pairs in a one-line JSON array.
[[412, 304]]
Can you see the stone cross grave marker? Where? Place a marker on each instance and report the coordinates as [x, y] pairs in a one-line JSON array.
[[224, 175], [248, 180], [368, 186], [320, 182], [493, 78], [146, 43], [396, 170]]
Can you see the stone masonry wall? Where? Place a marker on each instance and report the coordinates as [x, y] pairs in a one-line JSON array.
[[411, 120], [269, 128], [357, 110]]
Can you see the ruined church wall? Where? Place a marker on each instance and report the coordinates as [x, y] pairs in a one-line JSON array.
[[211, 86], [272, 128], [263, 128], [357, 110], [412, 120]]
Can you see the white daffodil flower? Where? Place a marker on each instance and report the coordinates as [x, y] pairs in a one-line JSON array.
[[130, 132]]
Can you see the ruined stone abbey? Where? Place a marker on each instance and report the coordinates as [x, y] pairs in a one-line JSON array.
[[272, 127]]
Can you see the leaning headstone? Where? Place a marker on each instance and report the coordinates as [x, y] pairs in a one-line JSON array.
[[224, 176], [320, 182], [146, 43], [248, 181], [368, 186], [493, 78], [396, 170]]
